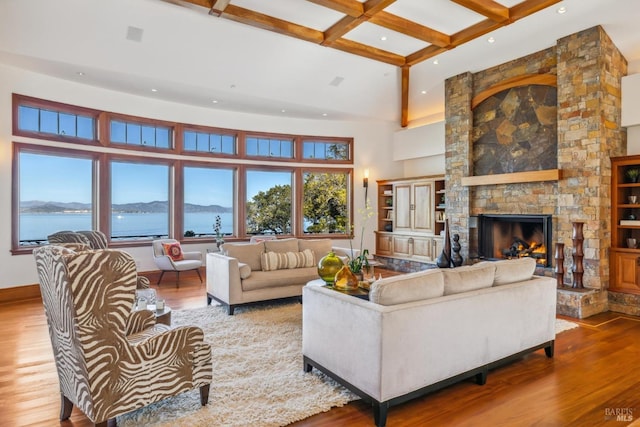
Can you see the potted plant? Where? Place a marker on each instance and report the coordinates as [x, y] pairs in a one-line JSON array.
[[217, 227], [632, 174]]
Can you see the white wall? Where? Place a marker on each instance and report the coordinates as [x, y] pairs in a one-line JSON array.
[[373, 149], [631, 111]]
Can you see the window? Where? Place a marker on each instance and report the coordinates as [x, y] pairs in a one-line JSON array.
[[139, 200], [269, 147], [54, 122], [205, 142], [51, 201], [324, 202], [208, 192], [125, 188], [269, 202], [324, 150], [140, 134]]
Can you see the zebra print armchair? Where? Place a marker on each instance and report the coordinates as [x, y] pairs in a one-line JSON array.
[[110, 359]]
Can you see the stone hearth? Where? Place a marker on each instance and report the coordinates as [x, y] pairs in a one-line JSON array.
[[588, 69]]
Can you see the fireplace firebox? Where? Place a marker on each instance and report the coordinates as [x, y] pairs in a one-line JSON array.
[[515, 236]]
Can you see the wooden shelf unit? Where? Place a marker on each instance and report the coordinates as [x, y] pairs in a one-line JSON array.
[[624, 260]]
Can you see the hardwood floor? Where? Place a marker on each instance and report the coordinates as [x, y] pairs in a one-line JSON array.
[[594, 375]]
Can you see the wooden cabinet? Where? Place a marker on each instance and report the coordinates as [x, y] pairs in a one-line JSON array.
[[410, 218], [625, 222], [413, 206]]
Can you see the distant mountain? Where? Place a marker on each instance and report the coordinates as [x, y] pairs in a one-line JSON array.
[[36, 206]]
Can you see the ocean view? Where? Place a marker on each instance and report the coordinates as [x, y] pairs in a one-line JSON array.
[[39, 226]]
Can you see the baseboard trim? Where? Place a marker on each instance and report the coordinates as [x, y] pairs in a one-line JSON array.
[[19, 293]]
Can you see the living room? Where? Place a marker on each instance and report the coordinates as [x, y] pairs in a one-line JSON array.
[[376, 141]]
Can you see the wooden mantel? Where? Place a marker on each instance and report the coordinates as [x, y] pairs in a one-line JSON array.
[[513, 178]]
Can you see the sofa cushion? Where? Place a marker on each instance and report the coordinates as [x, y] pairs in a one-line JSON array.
[[281, 245], [247, 253], [279, 278], [407, 287], [468, 278], [320, 247], [282, 260], [245, 270], [513, 270]]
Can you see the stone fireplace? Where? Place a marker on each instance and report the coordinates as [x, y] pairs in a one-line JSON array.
[[586, 68], [515, 236]]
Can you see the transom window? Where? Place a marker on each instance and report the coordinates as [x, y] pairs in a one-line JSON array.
[[325, 150], [269, 147], [140, 134], [55, 122], [206, 142]]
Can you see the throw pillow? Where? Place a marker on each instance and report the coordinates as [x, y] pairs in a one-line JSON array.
[[281, 245], [279, 260], [320, 247], [407, 288], [248, 253], [514, 270], [245, 270], [173, 250]]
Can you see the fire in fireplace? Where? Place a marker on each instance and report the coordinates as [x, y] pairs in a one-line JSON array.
[[515, 236]]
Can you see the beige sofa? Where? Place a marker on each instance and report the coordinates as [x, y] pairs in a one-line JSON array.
[[244, 273], [423, 331]]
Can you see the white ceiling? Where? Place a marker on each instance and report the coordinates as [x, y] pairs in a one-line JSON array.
[[191, 57]]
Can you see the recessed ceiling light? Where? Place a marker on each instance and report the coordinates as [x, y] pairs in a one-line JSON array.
[[424, 92], [283, 110], [491, 40], [215, 101], [562, 10], [383, 38], [324, 114], [435, 62], [80, 73], [154, 90]]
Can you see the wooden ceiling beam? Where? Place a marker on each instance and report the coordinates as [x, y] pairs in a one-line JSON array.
[[489, 8], [351, 8], [266, 22], [530, 7], [410, 28], [368, 52], [404, 102], [218, 7], [424, 54], [342, 27], [371, 7], [474, 31]]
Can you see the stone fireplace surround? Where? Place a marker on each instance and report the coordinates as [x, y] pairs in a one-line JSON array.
[[588, 69]]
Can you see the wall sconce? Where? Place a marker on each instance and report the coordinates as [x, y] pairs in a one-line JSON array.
[[365, 184]]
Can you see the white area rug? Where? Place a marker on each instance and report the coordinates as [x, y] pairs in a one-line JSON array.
[[258, 378], [564, 325]]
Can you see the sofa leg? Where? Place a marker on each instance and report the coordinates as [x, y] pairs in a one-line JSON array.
[[307, 367], [209, 299], [230, 309], [548, 350], [481, 377], [204, 394], [380, 413]]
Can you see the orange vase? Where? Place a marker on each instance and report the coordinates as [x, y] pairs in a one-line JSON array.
[[345, 279]]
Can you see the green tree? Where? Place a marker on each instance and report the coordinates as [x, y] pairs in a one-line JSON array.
[[270, 211], [325, 202]]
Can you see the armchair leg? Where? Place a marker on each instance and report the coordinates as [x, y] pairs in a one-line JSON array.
[[161, 274], [65, 407], [199, 276], [204, 394], [177, 279]]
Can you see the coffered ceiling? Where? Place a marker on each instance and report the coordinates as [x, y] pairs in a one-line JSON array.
[[419, 31], [300, 59]]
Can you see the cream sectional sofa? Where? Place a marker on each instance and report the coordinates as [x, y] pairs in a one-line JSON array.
[[244, 273], [423, 331]]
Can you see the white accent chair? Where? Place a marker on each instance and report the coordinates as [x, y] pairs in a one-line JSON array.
[[191, 261]]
